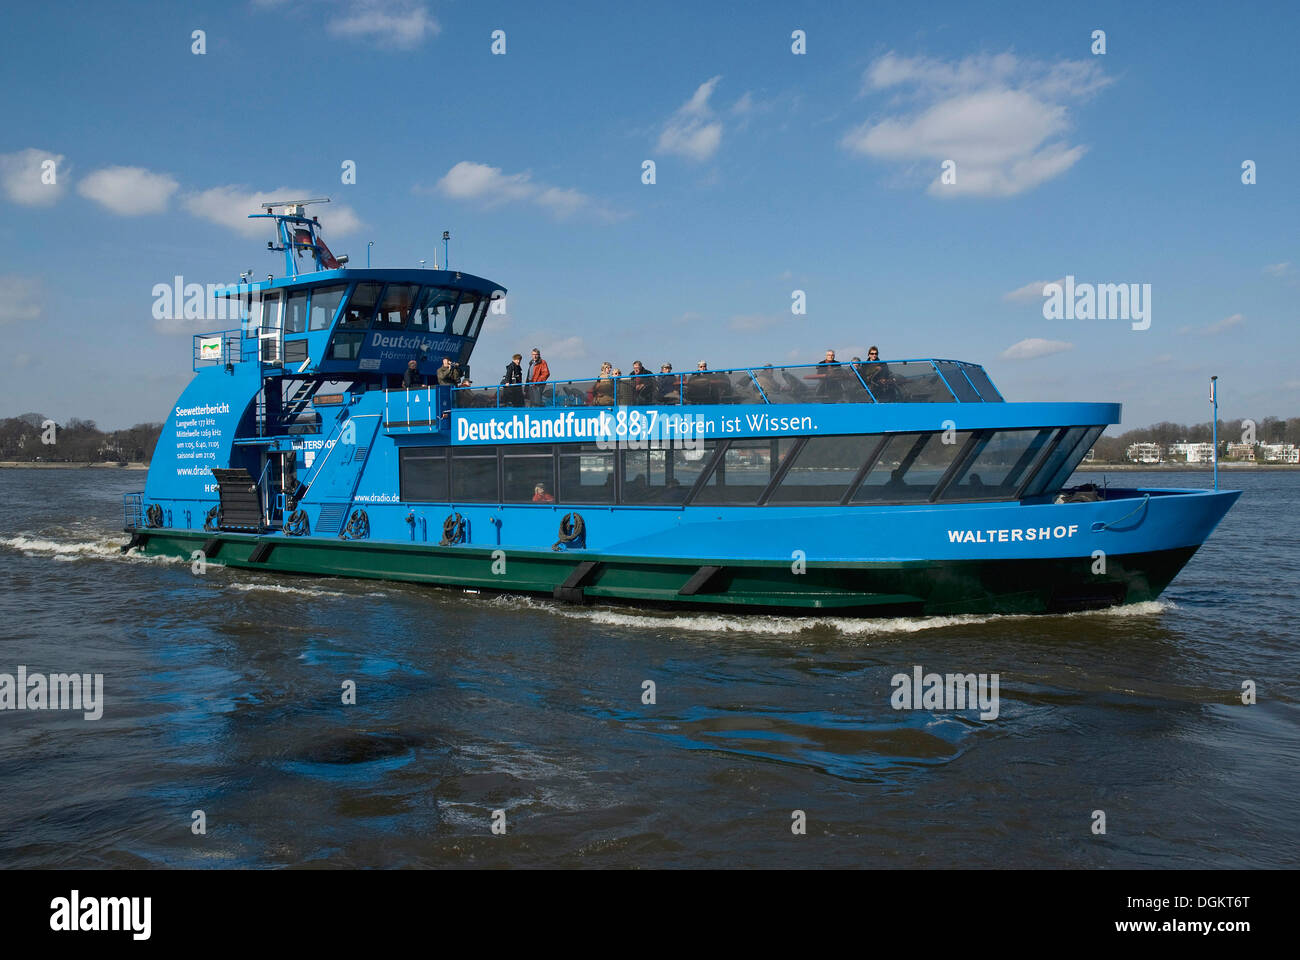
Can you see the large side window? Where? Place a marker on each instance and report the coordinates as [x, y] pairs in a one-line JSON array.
[[398, 298], [465, 310], [431, 309], [909, 467], [744, 471], [1059, 458], [1058, 479], [998, 466], [361, 305], [823, 469], [324, 304], [664, 476], [423, 474], [528, 472], [586, 474], [474, 475]]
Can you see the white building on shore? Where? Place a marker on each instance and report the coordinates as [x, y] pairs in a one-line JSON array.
[[1192, 452], [1279, 452], [1143, 452]]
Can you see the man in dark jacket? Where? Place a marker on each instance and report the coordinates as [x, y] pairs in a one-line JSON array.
[[411, 379], [513, 394]]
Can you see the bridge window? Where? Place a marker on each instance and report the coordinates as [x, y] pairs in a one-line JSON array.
[[586, 474], [361, 305], [823, 469], [744, 471], [346, 346], [295, 313], [526, 467], [423, 474], [465, 310], [909, 467], [1000, 463], [324, 304], [983, 384], [431, 309], [952, 372], [398, 298]]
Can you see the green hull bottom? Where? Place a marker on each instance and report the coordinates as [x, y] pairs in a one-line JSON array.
[[859, 588], [901, 588]]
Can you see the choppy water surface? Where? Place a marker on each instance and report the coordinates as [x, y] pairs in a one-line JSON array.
[[223, 693]]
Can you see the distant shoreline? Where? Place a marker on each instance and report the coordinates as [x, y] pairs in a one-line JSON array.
[[70, 465], [1181, 467]]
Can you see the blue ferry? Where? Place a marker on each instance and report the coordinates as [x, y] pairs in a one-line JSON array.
[[330, 433]]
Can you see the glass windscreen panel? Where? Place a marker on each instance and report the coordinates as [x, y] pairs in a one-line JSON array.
[[910, 467], [1056, 461], [744, 471], [999, 465], [823, 469], [586, 474], [465, 312], [361, 305], [903, 381], [324, 304], [981, 382], [397, 302], [819, 383], [433, 308], [957, 382], [664, 476]]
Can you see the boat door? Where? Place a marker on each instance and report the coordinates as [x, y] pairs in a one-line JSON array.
[[269, 332]]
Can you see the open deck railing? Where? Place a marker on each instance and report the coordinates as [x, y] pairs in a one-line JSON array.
[[894, 381]]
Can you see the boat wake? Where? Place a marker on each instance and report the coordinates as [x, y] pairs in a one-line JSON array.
[[107, 548]]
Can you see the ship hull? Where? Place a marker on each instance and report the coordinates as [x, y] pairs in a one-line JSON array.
[[858, 588]]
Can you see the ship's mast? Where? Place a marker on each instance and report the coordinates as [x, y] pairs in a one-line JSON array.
[[297, 233]]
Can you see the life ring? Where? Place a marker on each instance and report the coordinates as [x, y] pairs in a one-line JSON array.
[[358, 527], [154, 515], [453, 530], [573, 531], [210, 521], [297, 525]]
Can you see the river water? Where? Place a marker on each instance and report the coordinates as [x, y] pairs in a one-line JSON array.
[[223, 694]]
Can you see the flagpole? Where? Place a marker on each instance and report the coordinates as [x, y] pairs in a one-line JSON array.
[[1214, 404]]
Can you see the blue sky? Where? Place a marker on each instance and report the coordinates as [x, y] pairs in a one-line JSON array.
[[774, 172]]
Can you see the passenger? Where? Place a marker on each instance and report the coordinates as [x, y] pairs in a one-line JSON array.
[[538, 374], [602, 391], [829, 387], [411, 379], [624, 391], [700, 387], [512, 394], [469, 398], [447, 373], [767, 381], [876, 375], [643, 384], [540, 495], [667, 386]]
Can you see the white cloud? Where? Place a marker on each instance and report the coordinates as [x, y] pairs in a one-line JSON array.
[[1001, 120], [1030, 291], [481, 183], [390, 23], [1279, 269], [1032, 348], [22, 175], [1220, 326], [128, 190], [20, 298], [229, 206], [568, 348], [751, 322], [691, 131]]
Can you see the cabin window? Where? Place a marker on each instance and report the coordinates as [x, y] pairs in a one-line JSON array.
[[361, 305], [295, 351], [524, 469], [909, 467], [266, 311], [586, 474], [324, 304], [423, 474], [1056, 461], [474, 475], [664, 476], [398, 298], [460, 323], [744, 471], [1066, 466], [295, 313], [1000, 463], [823, 469], [346, 346], [980, 380], [431, 309]]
